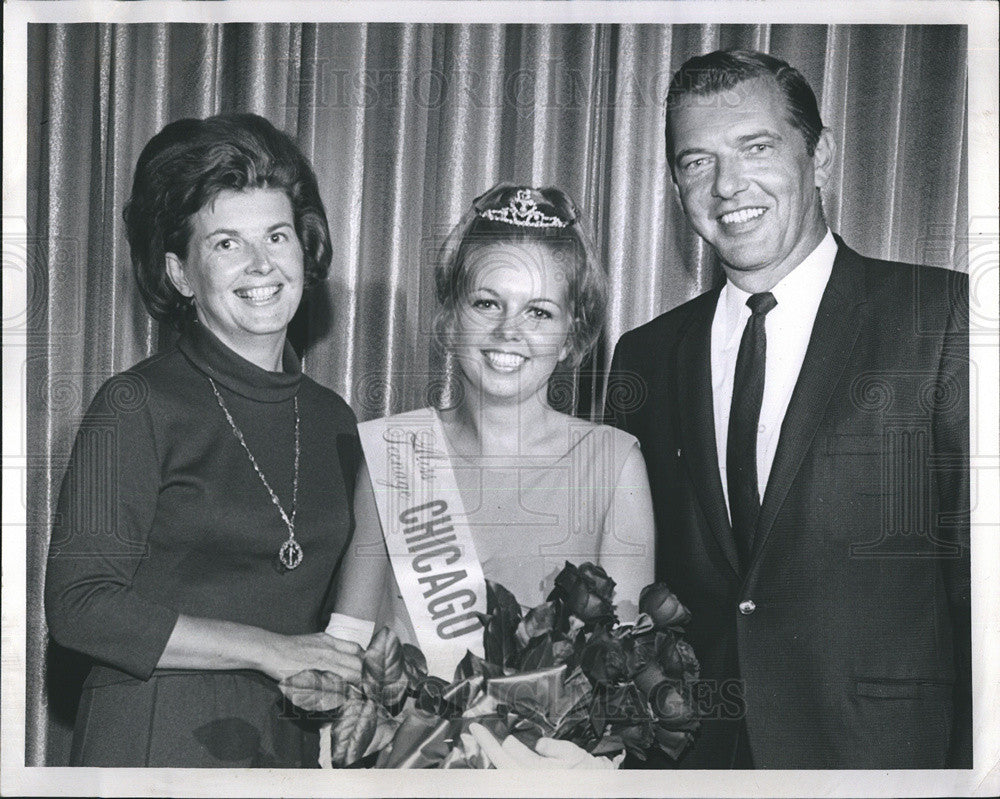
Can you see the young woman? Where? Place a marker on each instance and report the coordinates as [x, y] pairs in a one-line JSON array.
[[500, 485]]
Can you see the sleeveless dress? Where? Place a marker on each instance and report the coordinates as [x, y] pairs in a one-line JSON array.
[[161, 513], [529, 515]]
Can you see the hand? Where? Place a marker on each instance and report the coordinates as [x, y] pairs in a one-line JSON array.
[[549, 753], [290, 654]]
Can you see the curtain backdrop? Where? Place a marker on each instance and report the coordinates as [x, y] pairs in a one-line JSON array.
[[405, 124]]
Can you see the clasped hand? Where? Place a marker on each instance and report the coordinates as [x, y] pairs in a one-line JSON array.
[[319, 651]]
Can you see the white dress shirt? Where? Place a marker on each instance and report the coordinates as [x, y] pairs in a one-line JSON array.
[[788, 328]]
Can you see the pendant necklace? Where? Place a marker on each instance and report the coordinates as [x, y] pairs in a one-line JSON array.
[[290, 553]]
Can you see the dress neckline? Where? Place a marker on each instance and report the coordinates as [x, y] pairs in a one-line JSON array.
[[228, 369], [506, 461]]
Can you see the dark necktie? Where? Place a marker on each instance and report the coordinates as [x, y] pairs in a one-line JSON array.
[[744, 416]]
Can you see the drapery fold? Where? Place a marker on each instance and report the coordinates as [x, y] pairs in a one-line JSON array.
[[405, 124]]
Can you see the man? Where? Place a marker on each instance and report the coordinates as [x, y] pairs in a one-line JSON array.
[[805, 428]]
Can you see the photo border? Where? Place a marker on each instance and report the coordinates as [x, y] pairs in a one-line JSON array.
[[984, 779]]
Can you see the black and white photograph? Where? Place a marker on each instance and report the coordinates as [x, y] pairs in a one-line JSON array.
[[501, 387]]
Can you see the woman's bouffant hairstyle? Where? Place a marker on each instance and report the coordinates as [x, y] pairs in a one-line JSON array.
[[550, 219], [184, 167]]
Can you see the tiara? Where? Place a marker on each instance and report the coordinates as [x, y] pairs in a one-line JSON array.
[[523, 212]]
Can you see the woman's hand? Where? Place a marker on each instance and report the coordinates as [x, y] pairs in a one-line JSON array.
[[197, 643], [549, 753], [290, 654]]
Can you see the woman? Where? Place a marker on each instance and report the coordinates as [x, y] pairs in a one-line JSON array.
[[521, 295], [205, 506]]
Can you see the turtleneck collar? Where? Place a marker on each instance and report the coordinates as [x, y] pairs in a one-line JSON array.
[[209, 355]]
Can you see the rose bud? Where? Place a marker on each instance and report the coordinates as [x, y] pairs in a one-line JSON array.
[[670, 705], [586, 592], [597, 580], [640, 650], [663, 607], [675, 656], [667, 655], [603, 659], [649, 678], [688, 659]]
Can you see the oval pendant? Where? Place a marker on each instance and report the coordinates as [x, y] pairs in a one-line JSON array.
[[290, 554]]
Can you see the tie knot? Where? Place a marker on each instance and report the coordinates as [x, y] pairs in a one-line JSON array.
[[761, 304]]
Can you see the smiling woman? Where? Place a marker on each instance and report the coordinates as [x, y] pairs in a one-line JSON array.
[[521, 293], [498, 485], [244, 271], [205, 507], [513, 327]]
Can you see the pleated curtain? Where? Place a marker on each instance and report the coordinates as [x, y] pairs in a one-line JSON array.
[[405, 124]]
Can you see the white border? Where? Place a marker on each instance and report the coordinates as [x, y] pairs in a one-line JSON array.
[[984, 780], [913, 12]]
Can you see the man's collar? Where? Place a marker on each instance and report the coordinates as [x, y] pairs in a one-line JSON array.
[[804, 285], [810, 276]]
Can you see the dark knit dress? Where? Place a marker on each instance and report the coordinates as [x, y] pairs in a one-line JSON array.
[[161, 513]]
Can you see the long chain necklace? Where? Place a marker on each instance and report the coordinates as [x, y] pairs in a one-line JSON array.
[[290, 553]]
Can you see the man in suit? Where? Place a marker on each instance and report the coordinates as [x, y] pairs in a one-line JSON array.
[[805, 428]]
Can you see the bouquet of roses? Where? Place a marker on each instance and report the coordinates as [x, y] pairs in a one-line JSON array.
[[566, 669]]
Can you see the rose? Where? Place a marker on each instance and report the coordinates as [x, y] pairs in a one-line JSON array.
[[663, 681], [604, 659], [671, 705], [675, 656], [649, 677], [565, 668], [587, 592], [640, 650], [597, 580], [663, 607]]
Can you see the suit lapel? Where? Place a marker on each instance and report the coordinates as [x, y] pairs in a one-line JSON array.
[[834, 335], [697, 428]]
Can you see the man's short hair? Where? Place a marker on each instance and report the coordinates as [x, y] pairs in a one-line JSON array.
[[723, 70]]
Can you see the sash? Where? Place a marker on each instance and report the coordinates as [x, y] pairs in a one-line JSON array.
[[427, 535]]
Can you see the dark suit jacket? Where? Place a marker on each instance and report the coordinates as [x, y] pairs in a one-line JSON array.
[[856, 654]]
